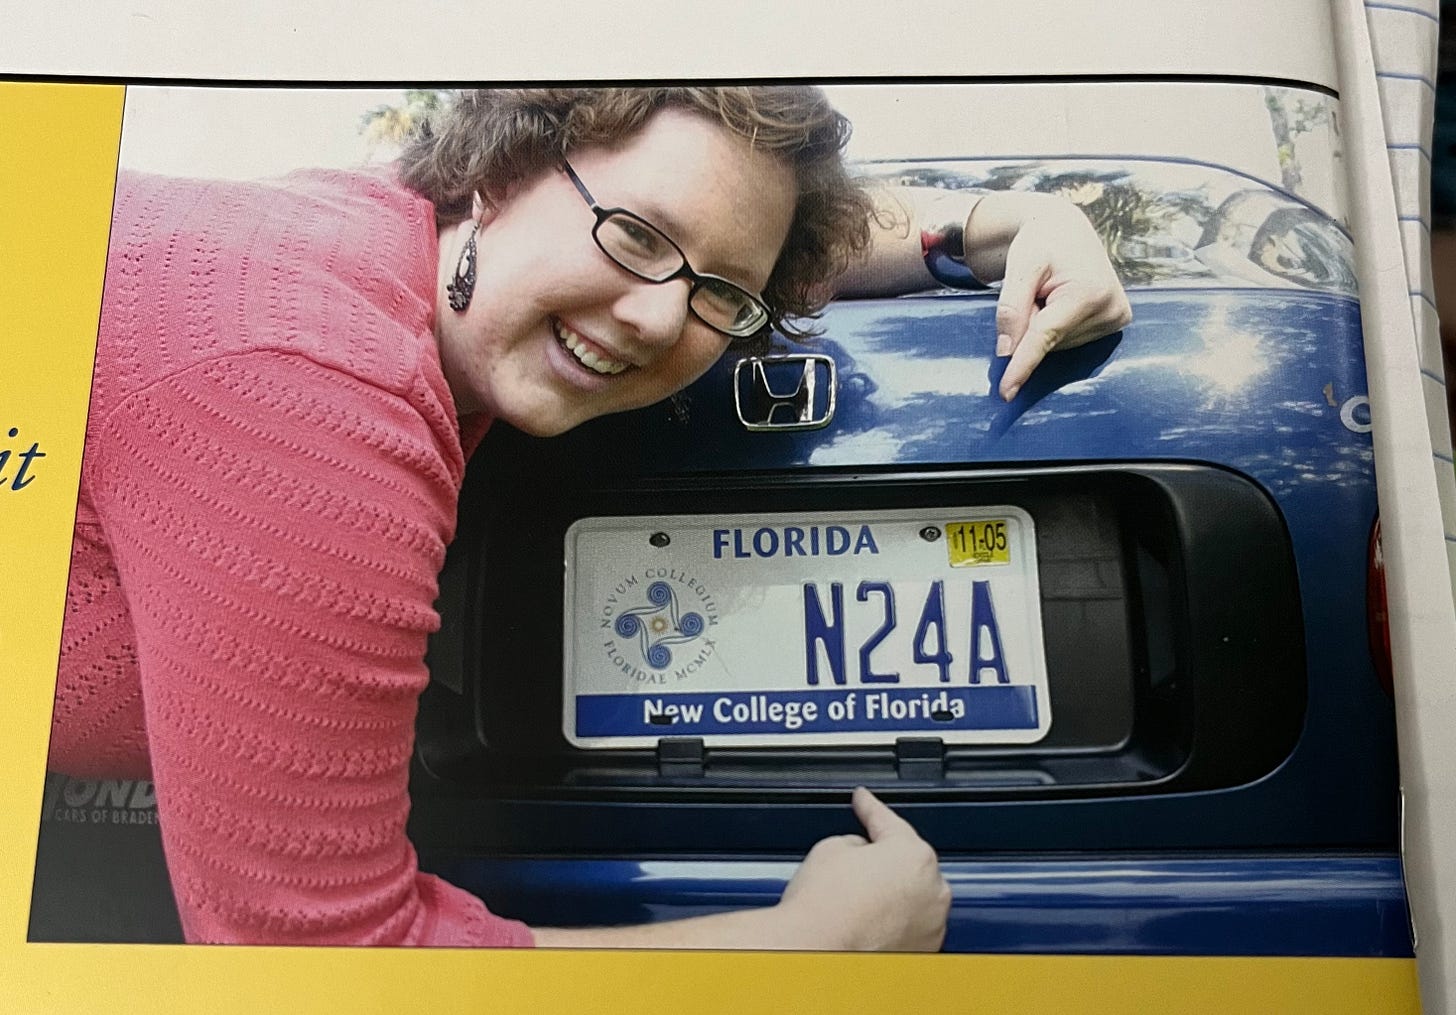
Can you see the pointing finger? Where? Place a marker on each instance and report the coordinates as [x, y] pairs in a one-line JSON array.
[[1029, 353], [879, 821], [1062, 323], [1017, 303]]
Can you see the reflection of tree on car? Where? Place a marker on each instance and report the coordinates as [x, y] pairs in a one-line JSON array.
[[1164, 222], [1257, 234]]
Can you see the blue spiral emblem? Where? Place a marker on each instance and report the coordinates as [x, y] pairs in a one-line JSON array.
[[658, 625], [627, 625]]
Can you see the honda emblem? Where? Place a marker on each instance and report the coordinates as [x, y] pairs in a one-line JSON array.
[[793, 391]]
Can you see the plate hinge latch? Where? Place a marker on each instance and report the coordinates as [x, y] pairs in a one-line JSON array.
[[681, 757], [920, 758]]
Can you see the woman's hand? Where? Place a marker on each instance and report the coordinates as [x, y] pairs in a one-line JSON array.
[[878, 892], [1058, 289]]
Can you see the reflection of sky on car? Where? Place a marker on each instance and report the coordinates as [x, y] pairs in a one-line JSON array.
[[1226, 365], [898, 381], [1211, 375]]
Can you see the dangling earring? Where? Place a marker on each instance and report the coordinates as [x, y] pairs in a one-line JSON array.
[[462, 287]]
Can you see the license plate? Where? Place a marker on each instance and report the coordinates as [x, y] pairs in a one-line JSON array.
[[805, 629]]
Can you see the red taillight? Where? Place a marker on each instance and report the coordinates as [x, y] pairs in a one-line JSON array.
[[1376, 617]]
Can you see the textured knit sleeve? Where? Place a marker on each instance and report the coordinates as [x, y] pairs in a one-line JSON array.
[[277, 526]]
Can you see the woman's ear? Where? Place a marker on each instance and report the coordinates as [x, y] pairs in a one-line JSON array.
[[481, 210]]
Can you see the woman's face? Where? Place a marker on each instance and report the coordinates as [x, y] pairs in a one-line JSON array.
[[556, 333]]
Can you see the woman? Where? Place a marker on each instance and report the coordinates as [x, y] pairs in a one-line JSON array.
[[289, 380]]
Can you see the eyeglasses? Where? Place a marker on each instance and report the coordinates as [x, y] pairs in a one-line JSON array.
[[644, 250]]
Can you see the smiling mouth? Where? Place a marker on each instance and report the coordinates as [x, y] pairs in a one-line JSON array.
[[585, 353]]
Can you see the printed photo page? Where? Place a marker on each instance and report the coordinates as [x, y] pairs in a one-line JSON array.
[[702, 525]]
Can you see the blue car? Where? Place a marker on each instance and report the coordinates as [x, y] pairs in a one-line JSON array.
[[1114, 648]]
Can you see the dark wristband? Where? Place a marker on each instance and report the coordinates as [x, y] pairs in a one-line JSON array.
[[943, 250]]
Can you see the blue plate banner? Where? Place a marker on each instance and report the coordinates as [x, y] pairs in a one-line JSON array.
[[841, 710]]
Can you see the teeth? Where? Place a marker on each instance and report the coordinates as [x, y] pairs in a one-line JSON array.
[[586, 356]]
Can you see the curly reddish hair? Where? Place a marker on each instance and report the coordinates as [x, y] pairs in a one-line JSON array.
[[486, 140]]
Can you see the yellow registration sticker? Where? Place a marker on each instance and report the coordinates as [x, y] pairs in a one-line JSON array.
[[971, 544]]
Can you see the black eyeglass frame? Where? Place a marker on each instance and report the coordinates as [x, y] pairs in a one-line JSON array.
[[686, 270]]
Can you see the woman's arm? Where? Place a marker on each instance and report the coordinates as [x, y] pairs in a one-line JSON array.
[[1058, 289], [277, 527], [852, 893]]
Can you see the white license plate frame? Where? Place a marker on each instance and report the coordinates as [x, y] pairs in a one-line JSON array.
[[670, 625]]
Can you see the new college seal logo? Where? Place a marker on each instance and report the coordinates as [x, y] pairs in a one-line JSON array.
[[657, 625]]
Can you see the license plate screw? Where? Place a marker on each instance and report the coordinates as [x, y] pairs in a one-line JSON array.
[[659, 539], [930, 533]]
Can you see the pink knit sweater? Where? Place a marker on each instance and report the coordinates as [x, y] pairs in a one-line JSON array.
[[270, 479]]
